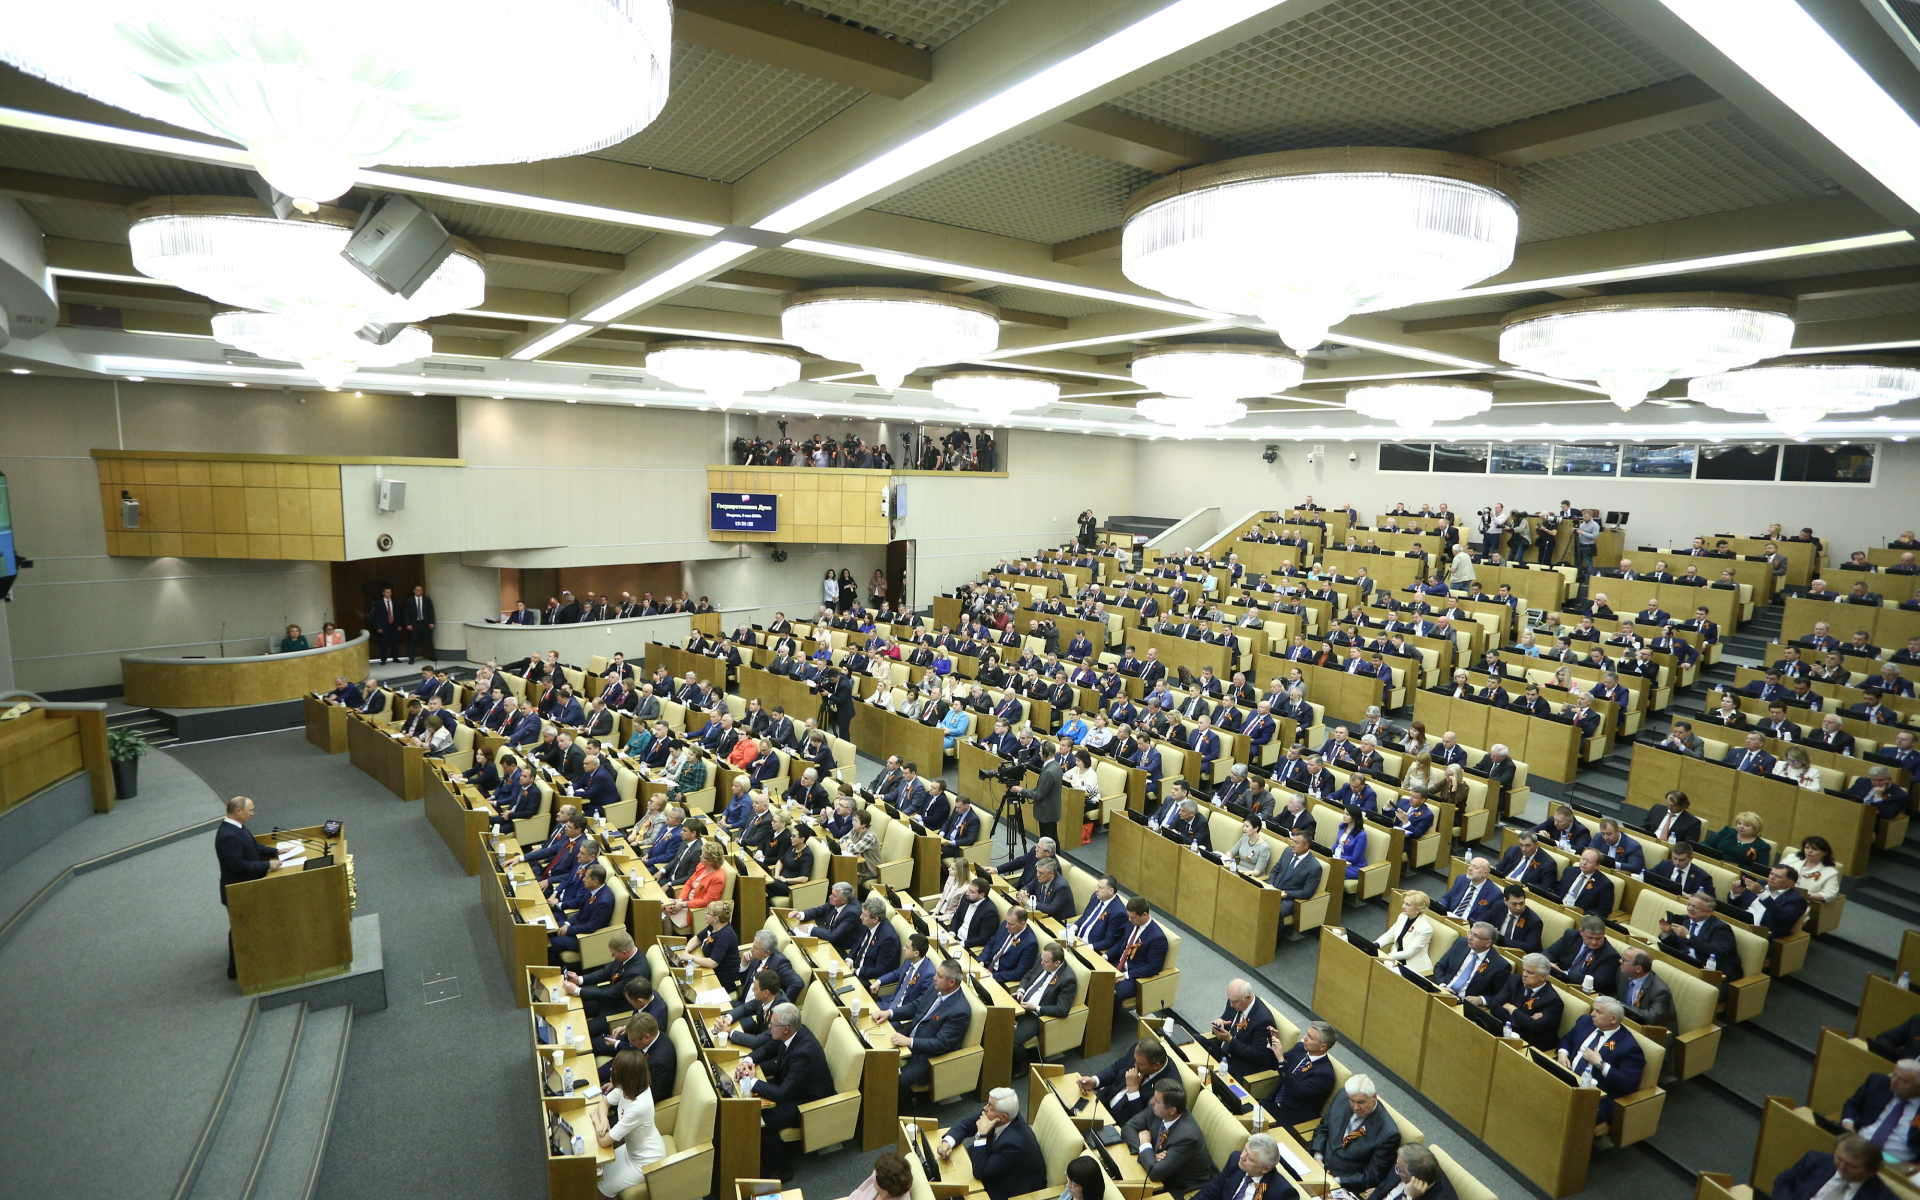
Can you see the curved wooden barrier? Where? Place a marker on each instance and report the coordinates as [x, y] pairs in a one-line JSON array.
[[227, 682]]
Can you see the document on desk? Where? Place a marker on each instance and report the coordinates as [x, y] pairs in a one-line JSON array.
[[712, 997], [1299, 1166]]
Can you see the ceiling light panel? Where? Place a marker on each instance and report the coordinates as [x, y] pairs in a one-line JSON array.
[[1715, 167], [1394, 72], [1861, 306], [1031, 190], [727, 114], [102, 163]]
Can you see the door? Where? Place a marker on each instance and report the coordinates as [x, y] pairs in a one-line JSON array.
[[357, 584], [899, 555]]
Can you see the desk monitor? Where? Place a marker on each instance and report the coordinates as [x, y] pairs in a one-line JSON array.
[[1616, 518], [560, 1135], [544, 1032]]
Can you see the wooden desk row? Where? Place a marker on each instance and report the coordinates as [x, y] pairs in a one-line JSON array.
[[1885, 625], [1549, 748]]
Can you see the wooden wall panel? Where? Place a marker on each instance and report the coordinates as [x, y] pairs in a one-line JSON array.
[[837, 507]]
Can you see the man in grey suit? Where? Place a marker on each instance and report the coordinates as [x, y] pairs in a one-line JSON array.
[[1357, 1140], [1297, 874], [1648, 999], [1169, 1143], [1047, 990], [646, 709], [1681, 739], [1045, 793]]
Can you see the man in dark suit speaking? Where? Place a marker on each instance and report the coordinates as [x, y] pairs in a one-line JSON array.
[[241, 858]]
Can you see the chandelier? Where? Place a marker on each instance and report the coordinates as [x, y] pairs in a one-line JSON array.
[[315, 93], [723, 370], [890, 332], [1419, 405], [1217, 370], [1631, 345], [330, 358], [995, 395], [1795, 393], [232, 251], [1191, 413], [1306, 238]]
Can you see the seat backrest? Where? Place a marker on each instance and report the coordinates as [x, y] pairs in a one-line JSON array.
[[1443, 937], [1409, 1132], [844, 1055], [1695, 1001], [976, 1018], [699, 1107], [1060, 1140], [1173, 947], [1112, 778], [626, 783], [1224, 1133], [685, 1051], [1224, 828], [1465, 1186], [817, 1010], [897, 842]]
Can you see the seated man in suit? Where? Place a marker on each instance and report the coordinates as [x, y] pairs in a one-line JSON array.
[[961, 830], [1046, 990], [594, 912], [1143, 952], [1884, 1110], [1306, 1075], [1679, 874], [1604, 1054], [1168, 1141], [876, 946], [1471, 966], [1851, 1172], [1002, 1150], [1296, 873], [1128, 1081], [1617, 850], [1102, 925], [1702, 939], [1564, 830], [1585, 952], [797, 1073], [600, 988], [1645, 996], [1519, 927], [1526, 1004], [1880, 792], [838, 920], [1775, 906], [974, 918], [911, 981], [1525, 863], [1473, 896], [1357, 1142], [938, 1028], [1012, 949], [745, 1024], [1582, 886], [1249, 1173], [1245, 1029], [1672, 822]]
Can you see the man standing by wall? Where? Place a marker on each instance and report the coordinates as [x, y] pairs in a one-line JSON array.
[[385, 616], [419, 623]]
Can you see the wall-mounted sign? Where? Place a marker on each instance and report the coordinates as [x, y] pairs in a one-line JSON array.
[[744, 512]]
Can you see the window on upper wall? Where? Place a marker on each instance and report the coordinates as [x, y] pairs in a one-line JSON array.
[[1656, 462], [1464, 458], [1521, 458], [1586, 460], [1405, 456], [1827, 464], [1749, 463]]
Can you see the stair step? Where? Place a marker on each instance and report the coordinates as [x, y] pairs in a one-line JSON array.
[[292, 1159], [238, 1143]]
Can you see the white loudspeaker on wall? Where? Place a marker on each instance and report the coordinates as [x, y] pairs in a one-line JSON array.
[[391, 494]]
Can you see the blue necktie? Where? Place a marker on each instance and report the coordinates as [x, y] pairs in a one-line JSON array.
[[1467, 968]]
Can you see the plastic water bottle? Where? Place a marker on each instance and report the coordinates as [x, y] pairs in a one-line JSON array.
[[566, 1080], [1507, 1030], [1905, 982], [1713, 963], [1259, 1117], [690, 970]]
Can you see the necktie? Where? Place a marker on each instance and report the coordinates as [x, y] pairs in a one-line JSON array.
[[1467, 970], [1133, 943], [1666, 826], [1506, 931], [1466, 901], [1040, 986], [1883, 1129], [1579, 882]]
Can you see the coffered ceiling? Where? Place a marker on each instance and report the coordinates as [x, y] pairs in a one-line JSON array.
[[798, 134]]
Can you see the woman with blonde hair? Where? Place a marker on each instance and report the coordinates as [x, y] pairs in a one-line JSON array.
[[1406, 940], [1794, 766], [294, 640], [1421, 773], [1740, 846], [959, 872], [651, 822], [701, 889]]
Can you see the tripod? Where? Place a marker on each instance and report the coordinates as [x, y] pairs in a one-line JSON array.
[[1011, 817]]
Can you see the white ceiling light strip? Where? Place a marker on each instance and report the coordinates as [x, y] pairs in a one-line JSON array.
[[551, 341], [1141, 44], [1654, 270], [708, 260], [1788, 53]]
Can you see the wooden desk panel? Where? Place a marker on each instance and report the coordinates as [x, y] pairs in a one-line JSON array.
[[36, 749], [1124, 840], [1182, 652], [395, 765], [1159, 877], [291, 926], [1198, 892], [225, 682], [1340, 985], [1246, 918], [326, 725], [1458, 1068], [459, 826], [1538, 1124], [1396, 1024]]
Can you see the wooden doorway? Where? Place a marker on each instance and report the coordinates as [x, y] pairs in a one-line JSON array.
[[357, 584], [899, 554]]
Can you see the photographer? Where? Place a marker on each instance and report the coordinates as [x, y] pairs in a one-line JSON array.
[[1519, 537], [1087, 525], [1493, 522], [1045, 793]]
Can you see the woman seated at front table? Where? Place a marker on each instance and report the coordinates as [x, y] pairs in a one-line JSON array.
[[637, 1144], [483, 774], [788, 857], [717, 947], [955, 725], [329, 636], [1794, 767], [294, 640], [1740, 846], [1819, 874], [701, 889], [651, 822], [1406, 940]]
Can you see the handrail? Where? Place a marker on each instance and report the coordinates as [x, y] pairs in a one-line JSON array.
[[1251, 517], [146, 660], [1184, 527]]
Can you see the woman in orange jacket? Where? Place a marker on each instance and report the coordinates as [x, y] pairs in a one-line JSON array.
[[709, 879]]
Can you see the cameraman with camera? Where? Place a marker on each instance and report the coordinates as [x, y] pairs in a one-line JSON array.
[[1045, 793], [1493, 522]]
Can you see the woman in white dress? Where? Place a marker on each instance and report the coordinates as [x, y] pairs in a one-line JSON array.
[[1794, 767], [830, 592], [637, 1143], [1082, 775], [1407, 939], [1819, 874]]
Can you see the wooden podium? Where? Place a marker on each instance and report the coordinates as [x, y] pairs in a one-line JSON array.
[[292, 926]]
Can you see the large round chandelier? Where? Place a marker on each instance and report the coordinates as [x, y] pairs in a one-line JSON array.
[[234, 252], [1796, 393], [995, 395], [1217, 370], [1306, 238], [890, 332], [1631, 345], [1191, 413], [724, 370], [315, 93], [1417, 405], [330, 358]]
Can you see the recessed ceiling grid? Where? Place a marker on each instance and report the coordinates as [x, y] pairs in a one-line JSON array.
[[726, 115], [927, 22], [817, 271], [520, 225], [86, 222], [76, 159], [1054, 304], [1402, 73], [1715, 167], [1891, 303], [1758, 274], [1032, 190], [529, 277], [758, 304]]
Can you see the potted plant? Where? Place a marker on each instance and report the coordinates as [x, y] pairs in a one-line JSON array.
[[125, 749]]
